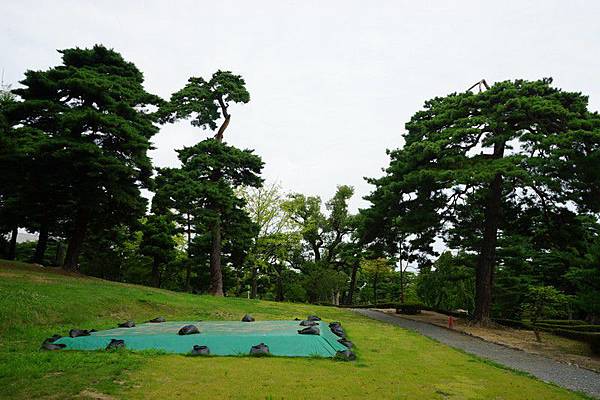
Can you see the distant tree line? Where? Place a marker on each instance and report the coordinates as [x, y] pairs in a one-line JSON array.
[[505, 180]]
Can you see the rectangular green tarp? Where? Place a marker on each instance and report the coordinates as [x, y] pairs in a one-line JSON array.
[[221, 337]]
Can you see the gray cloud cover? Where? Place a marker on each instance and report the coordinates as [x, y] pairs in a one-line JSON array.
[[332, 82]]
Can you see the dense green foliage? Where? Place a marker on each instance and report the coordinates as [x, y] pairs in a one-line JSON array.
[[79, 143], [507, 177], [505, 181]]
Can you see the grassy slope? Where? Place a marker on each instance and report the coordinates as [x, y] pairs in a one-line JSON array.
[[393, 363]]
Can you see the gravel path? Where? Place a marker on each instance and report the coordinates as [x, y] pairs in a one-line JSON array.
[[567, 376]]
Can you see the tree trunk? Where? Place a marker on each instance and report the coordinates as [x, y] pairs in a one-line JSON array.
[[484, 274], [155, 272], [76, 241], [59, 257], [401, 283], [12, 247], [375, 290], [188, 264], [317, 251], [225, 124], [216, 276], [254, 287], [219, 135], [42, 243], [279, 287], [349, 299]]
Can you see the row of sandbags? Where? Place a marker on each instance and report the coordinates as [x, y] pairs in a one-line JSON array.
[[345, 355]]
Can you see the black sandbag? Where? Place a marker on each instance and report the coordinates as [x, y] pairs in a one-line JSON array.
[[259, 350], [296, 319], [127, 324], [332, 324], [313, 318], [157, 320], [52, 339], [188, 330], [345, 355], [200, 350], [308, 323], [310, 330], [79, 332], [337, 330], [115, 344], [345, 342], [248, 318], [52, 346]]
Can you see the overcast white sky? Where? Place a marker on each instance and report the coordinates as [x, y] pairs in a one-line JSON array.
[[331, 82]]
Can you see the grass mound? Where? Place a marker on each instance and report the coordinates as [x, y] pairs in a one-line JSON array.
[[36, 303]]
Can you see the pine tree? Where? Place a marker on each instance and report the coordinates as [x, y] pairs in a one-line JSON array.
[[205, 103], [96, 120], [469, 157]]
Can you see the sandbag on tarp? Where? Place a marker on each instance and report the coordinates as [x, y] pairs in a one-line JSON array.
[[308, 323], [157, 320], [345, 342], [127, 324], [53, 338], [80, 332], [50, 345], [53, 346], [188, 330], [309, 330], [259, 350], [337, 329], [200, 350], [248, 318], [345, 355], [313, 318], [116, 344]]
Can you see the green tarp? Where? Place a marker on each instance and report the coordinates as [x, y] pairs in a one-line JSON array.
[[221, 337]]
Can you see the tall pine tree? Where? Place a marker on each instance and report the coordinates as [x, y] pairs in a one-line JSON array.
[[205, 103], [96, 120], [469, 158]]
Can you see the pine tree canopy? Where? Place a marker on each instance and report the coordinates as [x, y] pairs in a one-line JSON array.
[[472, 162], [93, 121]]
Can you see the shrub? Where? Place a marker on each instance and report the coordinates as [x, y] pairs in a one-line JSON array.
[[512, 323], [409, 308], [563, 322], [579, 328], [593, 338]]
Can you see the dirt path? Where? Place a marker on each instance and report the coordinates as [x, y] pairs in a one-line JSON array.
[[567, 376]]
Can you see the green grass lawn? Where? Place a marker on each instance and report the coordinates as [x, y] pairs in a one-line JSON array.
[[392, 363]]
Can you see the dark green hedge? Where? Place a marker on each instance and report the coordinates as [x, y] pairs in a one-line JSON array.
[[383, 305], [573, 331], [405, 308], [593, 338], [563, 322], [512, 323], [579, 328], [410, 309]]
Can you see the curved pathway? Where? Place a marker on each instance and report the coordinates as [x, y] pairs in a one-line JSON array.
[[548, 370]]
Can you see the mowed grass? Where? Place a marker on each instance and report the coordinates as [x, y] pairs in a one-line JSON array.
[[393, 363]]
